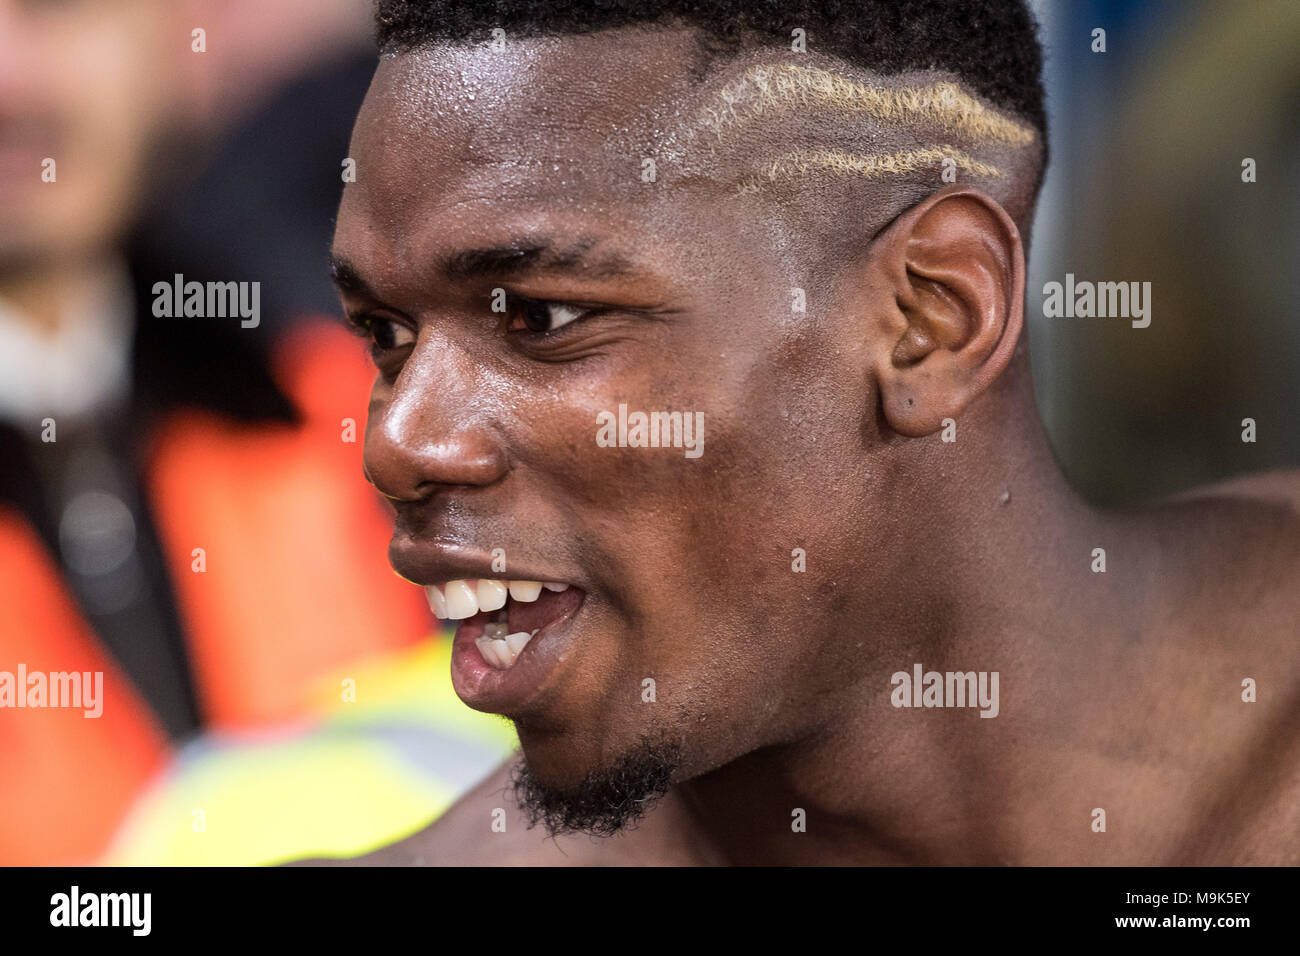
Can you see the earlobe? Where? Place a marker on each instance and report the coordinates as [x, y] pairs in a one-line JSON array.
[[955, 265]]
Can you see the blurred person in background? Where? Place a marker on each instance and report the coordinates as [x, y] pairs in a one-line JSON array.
[[181, 503]]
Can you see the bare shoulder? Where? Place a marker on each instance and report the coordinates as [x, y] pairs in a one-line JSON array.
[[1239, 670], [1233, 557], [1274, 487], [1247, 530], [485, 827]]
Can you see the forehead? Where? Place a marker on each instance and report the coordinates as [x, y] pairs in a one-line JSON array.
[[541, 97], [458, 145], [552, 117], [632, 139]]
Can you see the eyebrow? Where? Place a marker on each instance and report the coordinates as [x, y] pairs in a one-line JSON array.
[[345, 276], [511, 259], [536, 256]]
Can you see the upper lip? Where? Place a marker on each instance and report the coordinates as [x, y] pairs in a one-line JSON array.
[[437, 562]]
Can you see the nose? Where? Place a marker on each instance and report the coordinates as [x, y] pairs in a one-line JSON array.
[[427, 432]]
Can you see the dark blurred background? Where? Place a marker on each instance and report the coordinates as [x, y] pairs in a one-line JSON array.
[[1145, 184]]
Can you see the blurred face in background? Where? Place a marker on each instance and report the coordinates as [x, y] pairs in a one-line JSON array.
[[87, 83]]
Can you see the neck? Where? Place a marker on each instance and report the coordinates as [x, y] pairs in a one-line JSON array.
[[995, 576], [46, 294]]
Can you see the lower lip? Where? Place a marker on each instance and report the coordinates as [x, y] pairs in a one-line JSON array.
[[512, 690]]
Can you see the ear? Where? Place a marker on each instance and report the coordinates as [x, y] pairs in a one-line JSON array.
[[949, 276]]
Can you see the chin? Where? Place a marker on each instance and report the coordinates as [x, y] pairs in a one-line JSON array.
[[600, 800]]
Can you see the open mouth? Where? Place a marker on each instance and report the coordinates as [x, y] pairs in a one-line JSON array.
[[502, 617]]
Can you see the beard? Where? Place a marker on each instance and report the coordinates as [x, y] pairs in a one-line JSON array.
[[607, 800]]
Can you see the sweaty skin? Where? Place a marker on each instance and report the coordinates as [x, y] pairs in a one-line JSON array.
[[1119, 691]]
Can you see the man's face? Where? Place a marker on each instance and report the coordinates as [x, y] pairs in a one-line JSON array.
[[84, 83], [485, 433]]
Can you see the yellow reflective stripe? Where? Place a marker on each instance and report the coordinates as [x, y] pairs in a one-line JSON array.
[[366, 774], [250, 805]]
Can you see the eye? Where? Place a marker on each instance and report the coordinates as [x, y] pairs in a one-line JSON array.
[[385, 335], [530, 315], [388, 334]]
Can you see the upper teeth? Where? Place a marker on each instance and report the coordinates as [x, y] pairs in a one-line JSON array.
[[491, 594], [457, 600]]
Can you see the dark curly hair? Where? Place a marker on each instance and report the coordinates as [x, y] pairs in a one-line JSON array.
[[992, 45]]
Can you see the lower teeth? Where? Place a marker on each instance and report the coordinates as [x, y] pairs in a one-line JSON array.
[[499, 648]]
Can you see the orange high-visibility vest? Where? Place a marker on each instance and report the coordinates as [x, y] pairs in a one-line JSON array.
[[277, 551]]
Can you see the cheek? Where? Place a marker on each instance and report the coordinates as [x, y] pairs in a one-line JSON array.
[[774, 527], [713, 567]]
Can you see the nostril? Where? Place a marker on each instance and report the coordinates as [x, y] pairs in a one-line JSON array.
[[370, 480]]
